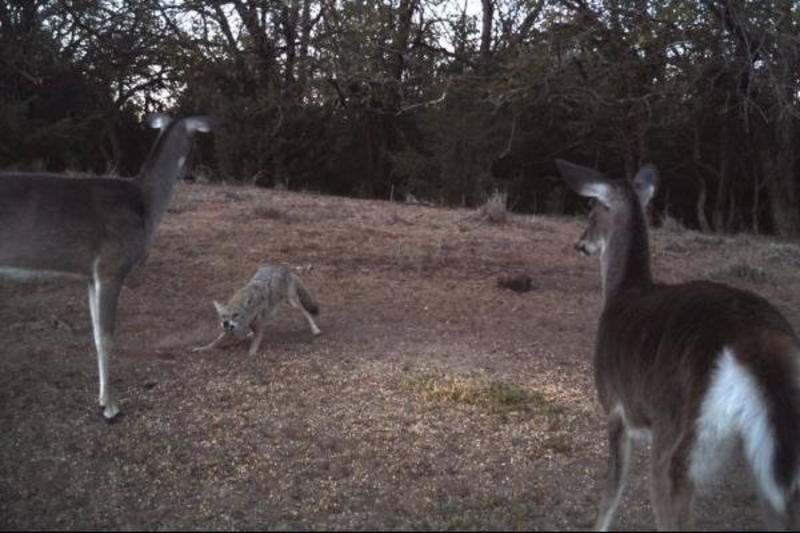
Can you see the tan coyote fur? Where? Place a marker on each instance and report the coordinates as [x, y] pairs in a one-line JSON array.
[[252, 306]]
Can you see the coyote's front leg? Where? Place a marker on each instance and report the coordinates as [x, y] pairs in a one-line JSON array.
[[259, 329], [224, 338]]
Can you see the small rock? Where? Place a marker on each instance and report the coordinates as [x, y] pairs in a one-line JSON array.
[[517, 282]]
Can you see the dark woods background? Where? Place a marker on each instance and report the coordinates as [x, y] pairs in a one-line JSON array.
[[423, 98]]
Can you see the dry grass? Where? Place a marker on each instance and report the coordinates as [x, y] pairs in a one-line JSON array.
[[746, 260], [560, 443], [672, 224], [182, 203], [269, 212], [784, 254], [742, 271], [495, 209], [235, 196]]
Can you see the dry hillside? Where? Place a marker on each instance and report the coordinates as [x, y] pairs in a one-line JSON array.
[[435, 399]]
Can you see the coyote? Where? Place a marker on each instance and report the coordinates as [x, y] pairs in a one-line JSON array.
[[252, 306]]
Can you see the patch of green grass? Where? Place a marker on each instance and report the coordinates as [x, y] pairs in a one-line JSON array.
[[493, 512], [559, 443], [497, 397], [505, 398], [464, 523], [545, 406]]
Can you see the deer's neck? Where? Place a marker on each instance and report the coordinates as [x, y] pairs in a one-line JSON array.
[[164, 166], [625, 263]]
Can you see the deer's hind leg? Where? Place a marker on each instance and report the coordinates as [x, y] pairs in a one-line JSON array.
[[619, 455], [672, 486], [786, 518]]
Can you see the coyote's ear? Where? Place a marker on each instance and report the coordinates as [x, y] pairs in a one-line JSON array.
[[646, 183], [586, 181], [219, 307]]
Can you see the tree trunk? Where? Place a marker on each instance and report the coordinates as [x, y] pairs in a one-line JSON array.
[[263, 48], [486, 37], [113, 163], [776, 158], [700, 207], [777, 149], [702, 195], [288, 21], [718, 218], [305, 41], [401, 37]]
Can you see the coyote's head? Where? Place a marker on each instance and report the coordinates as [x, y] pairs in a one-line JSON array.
[[233, 319]]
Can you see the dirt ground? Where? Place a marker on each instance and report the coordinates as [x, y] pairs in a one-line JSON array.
[[435, 399]]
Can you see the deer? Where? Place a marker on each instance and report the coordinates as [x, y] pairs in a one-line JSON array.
[[96, 229], [700, 369]]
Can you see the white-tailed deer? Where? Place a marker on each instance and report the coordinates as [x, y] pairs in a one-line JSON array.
[[700, 368], [98, 229]]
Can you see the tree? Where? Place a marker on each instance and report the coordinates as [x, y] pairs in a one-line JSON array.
[[436, 98]]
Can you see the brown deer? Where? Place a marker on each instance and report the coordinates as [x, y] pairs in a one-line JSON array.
[[699, 368], [95, 228]]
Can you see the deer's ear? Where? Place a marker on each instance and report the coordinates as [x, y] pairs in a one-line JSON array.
[[586, 181], [645, 183], [219, 307], [202, 124], [157, 121]]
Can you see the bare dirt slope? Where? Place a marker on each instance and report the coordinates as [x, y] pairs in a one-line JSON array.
[[434, 399]]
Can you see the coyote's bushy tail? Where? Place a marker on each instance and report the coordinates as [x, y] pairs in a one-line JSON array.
[[306, 296]]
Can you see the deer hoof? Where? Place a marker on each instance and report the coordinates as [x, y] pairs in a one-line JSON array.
[[111, 414]]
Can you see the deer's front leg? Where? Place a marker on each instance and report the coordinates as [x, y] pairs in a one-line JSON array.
[[103, 296]]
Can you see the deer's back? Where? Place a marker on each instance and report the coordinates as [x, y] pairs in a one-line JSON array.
[[658, 345], [55, 223]]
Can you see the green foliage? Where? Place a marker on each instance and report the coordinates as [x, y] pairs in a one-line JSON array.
[[418, 97], [68, 84]]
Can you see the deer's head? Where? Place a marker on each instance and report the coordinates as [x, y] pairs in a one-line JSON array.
[[610, 200]]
